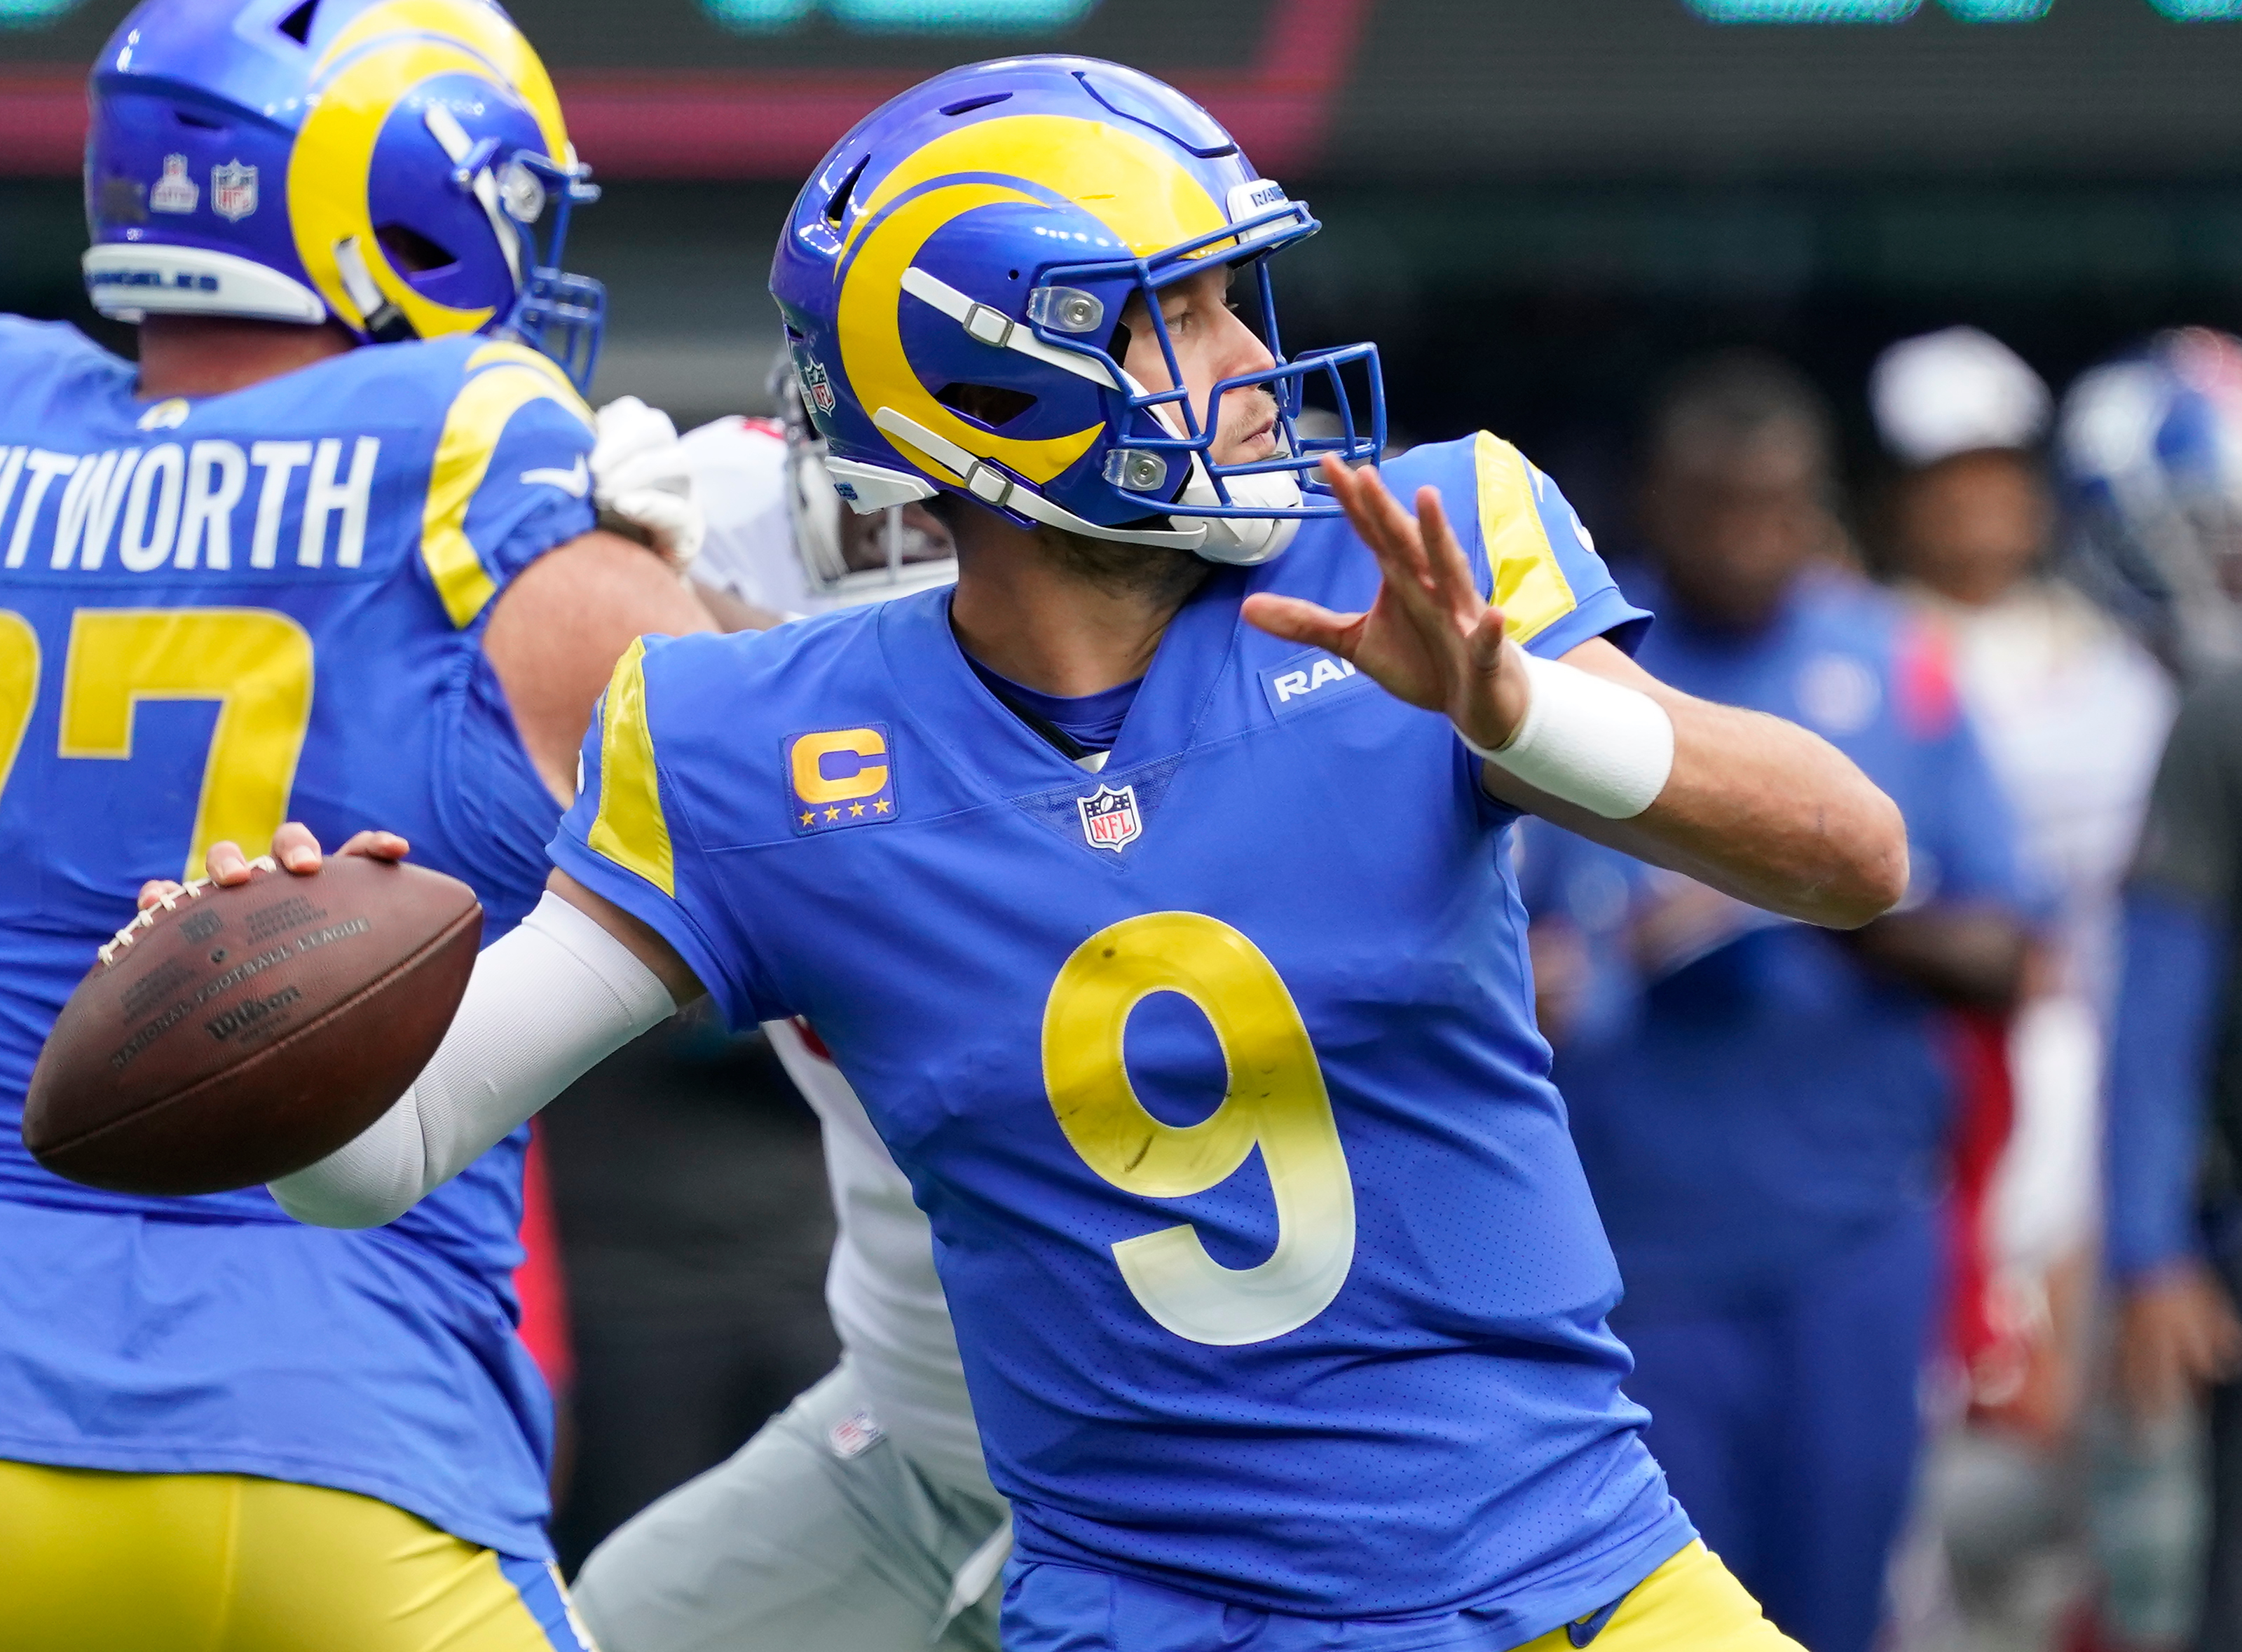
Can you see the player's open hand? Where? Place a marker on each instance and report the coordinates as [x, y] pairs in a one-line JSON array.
[[294, 849], [1429, 638]]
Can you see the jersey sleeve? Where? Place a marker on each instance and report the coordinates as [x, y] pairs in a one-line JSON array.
[[632, 835], [1541, 564], [511, 478]]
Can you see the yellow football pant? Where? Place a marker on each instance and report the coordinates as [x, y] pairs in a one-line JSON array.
[[1693, 1603], [91, 1561]]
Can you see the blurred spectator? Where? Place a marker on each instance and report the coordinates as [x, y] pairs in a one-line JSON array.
[[2154, 444], [2072, 709], [1761, 1106]]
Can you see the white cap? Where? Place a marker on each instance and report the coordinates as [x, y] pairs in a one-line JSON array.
[[1955, 391]]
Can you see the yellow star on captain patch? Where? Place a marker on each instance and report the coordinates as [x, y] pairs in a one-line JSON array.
[[809, 814], [879, 808], [855, 810], [833, 813]]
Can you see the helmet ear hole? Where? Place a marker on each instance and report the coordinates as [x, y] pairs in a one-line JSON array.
[[412, 253], [838, 207], [297, 26], [992, 406]]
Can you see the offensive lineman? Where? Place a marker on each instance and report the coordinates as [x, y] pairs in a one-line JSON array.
[[295, 562], [1325, 1363]]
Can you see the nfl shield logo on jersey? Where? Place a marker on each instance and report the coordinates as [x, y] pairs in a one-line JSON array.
[[234, 191], [1110, 819]]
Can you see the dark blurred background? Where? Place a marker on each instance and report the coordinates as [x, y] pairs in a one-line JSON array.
[[1536, 207]]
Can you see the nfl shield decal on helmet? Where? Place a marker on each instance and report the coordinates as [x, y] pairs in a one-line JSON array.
[[816, 386], [1110, 819], [234, 191]]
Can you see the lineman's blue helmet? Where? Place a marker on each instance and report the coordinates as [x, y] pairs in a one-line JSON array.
[[384, 164]]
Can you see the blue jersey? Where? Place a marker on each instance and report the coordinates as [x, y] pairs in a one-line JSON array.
[[1274, 1272], [216, 615], [1748, 1097]]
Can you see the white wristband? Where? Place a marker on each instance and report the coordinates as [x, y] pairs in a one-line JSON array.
[[1588, 741]]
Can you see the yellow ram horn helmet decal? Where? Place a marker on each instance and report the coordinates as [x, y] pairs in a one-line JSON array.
[[481, 29], [1148, 201], [372, 65]]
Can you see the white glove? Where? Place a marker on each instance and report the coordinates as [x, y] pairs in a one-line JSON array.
[[641, 480]]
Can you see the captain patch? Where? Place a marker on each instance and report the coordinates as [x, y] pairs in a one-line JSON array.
[[840, 777]]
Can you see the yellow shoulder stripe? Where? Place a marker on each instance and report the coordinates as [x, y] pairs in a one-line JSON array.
[[631, 830], [1530, 587], [521, 355], [476, 419]]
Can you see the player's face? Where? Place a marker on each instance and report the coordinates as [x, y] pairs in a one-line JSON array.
[[1973, 525], [1211, 344], [1733, 530]]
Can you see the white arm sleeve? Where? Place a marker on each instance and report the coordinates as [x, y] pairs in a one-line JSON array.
[[545, 1004]]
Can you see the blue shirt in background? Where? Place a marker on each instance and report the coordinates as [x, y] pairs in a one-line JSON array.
[[1749, 1098]]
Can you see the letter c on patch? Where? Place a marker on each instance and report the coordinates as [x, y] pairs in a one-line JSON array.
[[809, 754]]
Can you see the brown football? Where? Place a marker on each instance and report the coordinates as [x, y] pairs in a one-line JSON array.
[[246, 1033]]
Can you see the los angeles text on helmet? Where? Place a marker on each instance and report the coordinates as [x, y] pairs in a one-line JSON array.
[[211, 505]]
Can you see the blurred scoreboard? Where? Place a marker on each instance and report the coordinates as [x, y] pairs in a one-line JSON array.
[[1421, 90]]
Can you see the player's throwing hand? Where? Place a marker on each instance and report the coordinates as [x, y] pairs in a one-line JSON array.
[[1430, 638]]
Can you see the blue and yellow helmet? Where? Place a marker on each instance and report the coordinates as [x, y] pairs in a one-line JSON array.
[[971, 244], [383, 164]]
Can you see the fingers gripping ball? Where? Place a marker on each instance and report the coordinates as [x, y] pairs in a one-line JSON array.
[[229, 1036]]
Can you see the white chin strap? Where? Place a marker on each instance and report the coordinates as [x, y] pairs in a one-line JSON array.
[[129, 282]]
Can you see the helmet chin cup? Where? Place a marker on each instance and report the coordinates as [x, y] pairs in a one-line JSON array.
[[1248, 541]]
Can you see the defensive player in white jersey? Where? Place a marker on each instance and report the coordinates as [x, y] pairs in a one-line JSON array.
[[863, 1519]]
